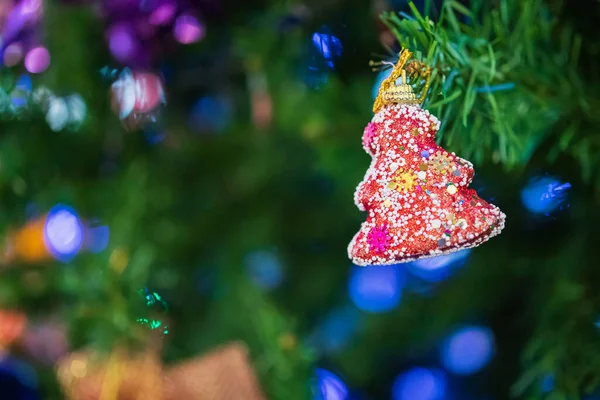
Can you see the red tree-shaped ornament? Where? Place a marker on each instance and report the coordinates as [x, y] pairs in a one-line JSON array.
[[416, 193]]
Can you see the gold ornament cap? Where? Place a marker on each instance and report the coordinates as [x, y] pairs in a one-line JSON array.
[[391, 92]]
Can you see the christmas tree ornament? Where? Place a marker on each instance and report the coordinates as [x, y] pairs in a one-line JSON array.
[[136, 97], [416, 194]]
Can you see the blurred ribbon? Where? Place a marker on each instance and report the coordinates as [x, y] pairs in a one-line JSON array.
[[224, 374]]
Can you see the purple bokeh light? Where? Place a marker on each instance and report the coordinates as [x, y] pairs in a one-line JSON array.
[[468, 350], [13, 54], [22, 16], [31, 6], [188, 29], [163, 14], [37, 60], [122, 42], [63, 233]]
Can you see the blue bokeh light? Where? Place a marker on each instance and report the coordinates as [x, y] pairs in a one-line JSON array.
[[24, 83], [63, 232], [336, 329], [436, 269], [154, 135], [210, 114], [18, 380], [314, 77], [328, 45], [265, 269], [468, 350], [96, 238], [547, 383], [376, 289], [544, 195], [420, 384], [21, 92], [329, 386]]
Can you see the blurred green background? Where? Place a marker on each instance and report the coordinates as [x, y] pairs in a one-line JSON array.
[[233, 197]]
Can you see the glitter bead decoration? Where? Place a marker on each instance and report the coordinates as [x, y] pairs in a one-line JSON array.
[[368, 135], [416, 194]]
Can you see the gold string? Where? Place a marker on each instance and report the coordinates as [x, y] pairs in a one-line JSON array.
[[414, 68]]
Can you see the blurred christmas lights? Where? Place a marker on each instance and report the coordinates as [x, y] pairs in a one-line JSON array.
[[154, 135], [37, 60], [314, 76], [122, 43], [13, 54], [77, 109], [210, 114], [60, 112], [376, 289], [46, 341], [63, 233], [12, 326], [468, 350], [547, 383], [188, 29], [262, 104], [20, 21], [96, 238], [336, 330], [136, 96], [439, 268], [420, 384], [21, 92], [57, 114], [163, 14], [329, 386], [140, 31], [545, 194], [265, 269], [328, 45], [324, 49], [24, 83], [59, 234], [18, 380]]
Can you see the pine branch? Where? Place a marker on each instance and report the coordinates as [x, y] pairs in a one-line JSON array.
[[504, 72]]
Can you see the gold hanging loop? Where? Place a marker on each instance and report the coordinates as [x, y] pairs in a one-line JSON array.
[[392, 93]]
